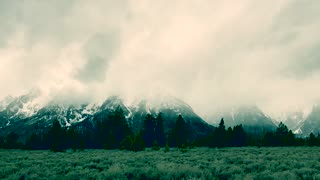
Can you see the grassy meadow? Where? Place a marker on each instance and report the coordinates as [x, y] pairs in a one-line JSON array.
[[197, 163]]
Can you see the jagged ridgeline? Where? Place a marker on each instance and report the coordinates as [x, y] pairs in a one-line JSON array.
[[24, 115], [26, 122]]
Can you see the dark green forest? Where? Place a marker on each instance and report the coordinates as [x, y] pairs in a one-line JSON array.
[[113, 132]]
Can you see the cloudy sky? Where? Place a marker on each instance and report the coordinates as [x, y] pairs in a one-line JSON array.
[[210, 53]]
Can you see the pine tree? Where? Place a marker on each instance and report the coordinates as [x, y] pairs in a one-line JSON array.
[[239, 136], [219, 135], [290, 139], [12, 141], [33, 142], [312, 141], [230, 137], [269, 139], [160, 136], [149, 130], [73, 139], [281, 134], [1, 142], [181, 132], [127, 143], [118, 127], [57, 134], [138, 143]]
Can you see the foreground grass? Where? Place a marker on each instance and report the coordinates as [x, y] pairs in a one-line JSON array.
[[198, 163]]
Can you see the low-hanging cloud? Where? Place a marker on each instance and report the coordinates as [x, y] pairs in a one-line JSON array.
[[209, 53]]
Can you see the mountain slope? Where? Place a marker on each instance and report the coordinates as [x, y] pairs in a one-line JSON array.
[[251, 117], [311, 124], [14, 118], [170, 108]]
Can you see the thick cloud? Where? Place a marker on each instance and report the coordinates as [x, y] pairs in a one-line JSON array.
[[98, 51], [211, 53]]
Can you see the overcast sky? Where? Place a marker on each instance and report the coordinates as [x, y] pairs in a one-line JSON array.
[[210, 53]]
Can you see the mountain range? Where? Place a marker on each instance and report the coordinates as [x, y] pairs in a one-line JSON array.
[[25, 113]]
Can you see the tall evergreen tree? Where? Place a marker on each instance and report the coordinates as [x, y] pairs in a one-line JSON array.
[[1, 142], [149, 130], [281, 134], [118, 128], [230, 137], [181, 132], [312, 140], [290, 139], [138, 143], [160, 136], [73, 139], [239, 136], [220, 135], [12, 141], [33, 142], [57, 136], [269, 139]]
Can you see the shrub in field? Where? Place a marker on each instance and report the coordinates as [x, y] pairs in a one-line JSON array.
[[138, 143], [197, 163], [155, 146], [167, 148], [183, 148], [126, 144]]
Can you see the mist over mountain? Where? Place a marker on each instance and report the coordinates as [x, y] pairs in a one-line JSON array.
[[28, 112], [23, 114], [251, 117], [210, 54]]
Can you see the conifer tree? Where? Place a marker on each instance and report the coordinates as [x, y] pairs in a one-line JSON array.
[[149, 130], [281, 134], [33, 142], [159, 131], [180, 132], [290, 139], [118, 127], [312, 140], [12, 141], [1, 142], [219, 135], [138, 143], [73, 139], [239, 136], [57, 135], [127, 143]]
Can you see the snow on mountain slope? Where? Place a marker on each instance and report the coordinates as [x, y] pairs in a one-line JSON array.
[[21, 107], [251, 117], [311, 124], [171, 108], [5, 102], [293, 119], [33, 110]]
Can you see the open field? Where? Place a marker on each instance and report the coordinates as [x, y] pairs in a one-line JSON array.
[[198, 163]]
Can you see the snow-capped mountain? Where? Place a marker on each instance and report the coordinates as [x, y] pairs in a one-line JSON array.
[[27, 112], [12, 109], [24, 114], [251, 117], [311, 124], [5, 102], [292, 119], [171, 108]]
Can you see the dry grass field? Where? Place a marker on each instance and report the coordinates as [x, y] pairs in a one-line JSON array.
[[198, 163]]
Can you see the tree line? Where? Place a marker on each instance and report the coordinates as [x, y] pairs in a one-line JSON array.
[[112, 131]]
